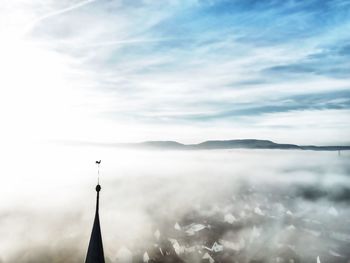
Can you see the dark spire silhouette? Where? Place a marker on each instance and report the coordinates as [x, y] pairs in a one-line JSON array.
[[95, 251]]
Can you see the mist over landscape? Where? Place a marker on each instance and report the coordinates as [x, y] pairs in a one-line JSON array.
[[261, 205], [222, 125]]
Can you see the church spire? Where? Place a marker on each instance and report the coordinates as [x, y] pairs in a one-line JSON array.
[[95, 251]]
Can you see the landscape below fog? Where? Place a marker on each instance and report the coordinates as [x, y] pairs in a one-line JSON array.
[[178, 206]]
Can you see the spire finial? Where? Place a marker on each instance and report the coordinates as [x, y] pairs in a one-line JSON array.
[[95, 252]]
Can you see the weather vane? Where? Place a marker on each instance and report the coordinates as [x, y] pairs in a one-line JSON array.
[[98, 171]]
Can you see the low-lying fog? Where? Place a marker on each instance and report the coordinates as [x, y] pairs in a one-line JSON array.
[[258, 205]]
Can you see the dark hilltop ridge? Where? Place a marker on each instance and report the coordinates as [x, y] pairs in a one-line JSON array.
[[228, 144]]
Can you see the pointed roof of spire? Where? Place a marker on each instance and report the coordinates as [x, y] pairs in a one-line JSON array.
[[95, 251]]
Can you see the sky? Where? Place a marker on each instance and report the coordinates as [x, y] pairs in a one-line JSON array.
[[126, 71]]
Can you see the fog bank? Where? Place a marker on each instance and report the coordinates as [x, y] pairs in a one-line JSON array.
[[47, 211]]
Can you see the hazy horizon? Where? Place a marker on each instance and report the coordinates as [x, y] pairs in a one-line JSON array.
[[111, 143]]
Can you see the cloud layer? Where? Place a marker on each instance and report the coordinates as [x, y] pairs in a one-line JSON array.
[[49, 217]]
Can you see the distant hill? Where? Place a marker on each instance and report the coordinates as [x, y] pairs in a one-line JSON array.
[[229, 144], [246, 144]]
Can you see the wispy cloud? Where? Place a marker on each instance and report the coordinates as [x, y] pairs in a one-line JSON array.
[[62, 11], [193, 63]]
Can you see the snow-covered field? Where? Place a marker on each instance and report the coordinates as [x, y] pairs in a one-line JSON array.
[[174, 206]]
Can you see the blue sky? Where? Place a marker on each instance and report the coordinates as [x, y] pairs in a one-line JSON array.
[[181, 70]]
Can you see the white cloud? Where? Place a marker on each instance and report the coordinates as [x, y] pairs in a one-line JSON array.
[[105, 69]]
